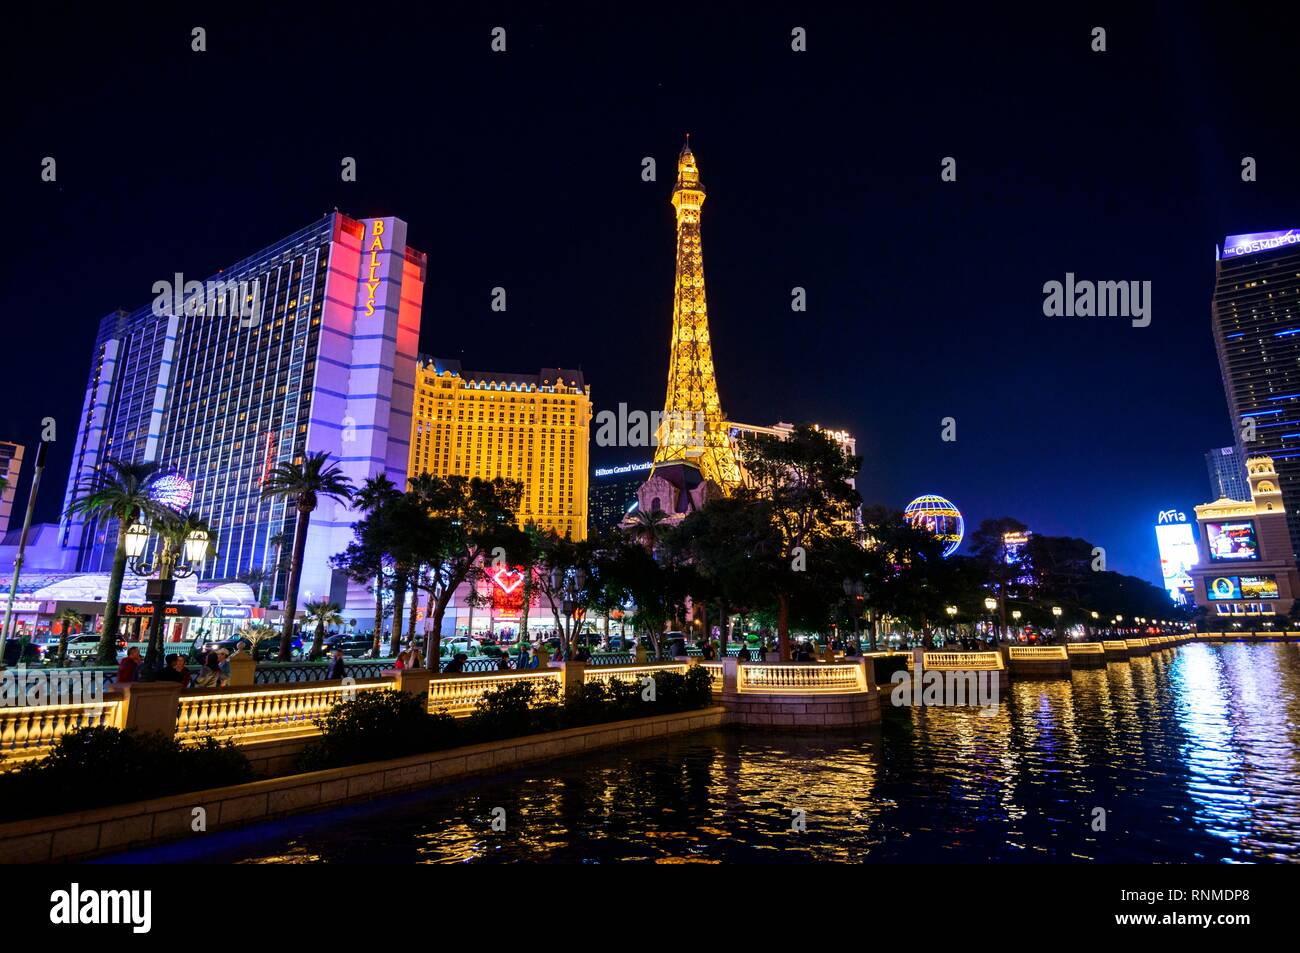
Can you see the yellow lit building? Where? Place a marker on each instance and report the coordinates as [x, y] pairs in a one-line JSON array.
[[525, 427]]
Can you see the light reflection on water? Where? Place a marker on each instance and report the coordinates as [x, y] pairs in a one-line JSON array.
[[1193, 755]]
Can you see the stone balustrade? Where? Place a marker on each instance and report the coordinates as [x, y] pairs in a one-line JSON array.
[[242, 713], [458, 694], [1044, 652], [959, 661], [28, 731], [800, 678], [633, 673]]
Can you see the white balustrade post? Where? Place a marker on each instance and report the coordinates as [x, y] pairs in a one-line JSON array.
[[730, 675]]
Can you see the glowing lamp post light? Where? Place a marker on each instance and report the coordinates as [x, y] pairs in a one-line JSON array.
[[1015, 620], [952, 619], [990, 604], [170, 566], [1056, 615]]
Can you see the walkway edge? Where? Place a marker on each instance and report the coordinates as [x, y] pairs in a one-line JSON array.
[[86, 834]]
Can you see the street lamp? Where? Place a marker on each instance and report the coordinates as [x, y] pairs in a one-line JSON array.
[[170, 566], [1056, 613], [990, 604], [952, 618], [1015, 618]]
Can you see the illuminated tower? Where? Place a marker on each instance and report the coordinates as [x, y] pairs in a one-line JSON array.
[[693, 431]]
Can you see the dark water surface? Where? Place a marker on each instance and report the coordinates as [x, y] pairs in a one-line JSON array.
[[1193, 755]]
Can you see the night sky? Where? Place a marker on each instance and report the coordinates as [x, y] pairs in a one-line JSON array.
[[523, 170]]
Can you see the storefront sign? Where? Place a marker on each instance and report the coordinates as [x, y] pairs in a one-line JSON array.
[[232, 612], [133, 609]]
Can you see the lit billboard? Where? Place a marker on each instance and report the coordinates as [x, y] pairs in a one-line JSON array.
[[1178, 554], [1232, 541], [1221, 588]]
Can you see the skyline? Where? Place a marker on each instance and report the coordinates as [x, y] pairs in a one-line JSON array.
[[804, 203]]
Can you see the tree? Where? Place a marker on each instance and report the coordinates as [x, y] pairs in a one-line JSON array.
[[805, 480], [67, 619], [454, 528], [320, 612], [1000, 561], [117, 491], [303, 484], [733, 545], [257, 579], [376, 497]]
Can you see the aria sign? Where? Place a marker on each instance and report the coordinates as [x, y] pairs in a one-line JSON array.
[[1171, 516]]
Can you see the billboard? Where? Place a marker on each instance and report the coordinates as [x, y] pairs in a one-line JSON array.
[[1178, 554], [1230, 541], [1221, 588]]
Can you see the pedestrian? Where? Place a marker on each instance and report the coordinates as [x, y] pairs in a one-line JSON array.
[[210, 675], [337, 667], [128, 670], [223, 663], [414, 657], [503, 663], [457, 663], [174, 671]]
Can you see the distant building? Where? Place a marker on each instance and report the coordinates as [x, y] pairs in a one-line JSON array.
[[534, 428], [736, 431], [11, 465], [1256, 317], [1227, 474], [1246, 566], [613, 494]]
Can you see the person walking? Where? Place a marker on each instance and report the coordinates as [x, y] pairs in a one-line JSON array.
[[210, 675], [338, 669]]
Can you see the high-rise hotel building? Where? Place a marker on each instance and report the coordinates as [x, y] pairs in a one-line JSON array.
[[320, 357], [1256, 314], [11, 465], [533, 428]]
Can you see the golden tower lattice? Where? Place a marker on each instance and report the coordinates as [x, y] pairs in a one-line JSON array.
[[693, 430]]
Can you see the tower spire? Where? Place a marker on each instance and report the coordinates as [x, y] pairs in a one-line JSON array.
[[693, 429]]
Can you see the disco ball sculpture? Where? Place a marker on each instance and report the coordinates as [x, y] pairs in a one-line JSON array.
[[940, 517], [172, 491]]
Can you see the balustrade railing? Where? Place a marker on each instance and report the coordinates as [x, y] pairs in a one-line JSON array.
[[959, 661], [288, 674], [29, 730], [1040, 653], [1087, 648], [800, 678], [632, 673], [240, 712], [458, 694]]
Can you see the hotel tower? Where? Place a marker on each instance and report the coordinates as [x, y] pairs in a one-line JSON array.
[[1256, 315], [308, 345]]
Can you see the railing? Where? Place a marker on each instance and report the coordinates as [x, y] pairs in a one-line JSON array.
[[29, 730], [1114, 645], [481, 663], [1041, 653], [288, 674], [959, 661], [457, 694], [800, 678], [1137, 643], [239, 712], [612, 658], [715, 675], [1087, 648], [632, 673]]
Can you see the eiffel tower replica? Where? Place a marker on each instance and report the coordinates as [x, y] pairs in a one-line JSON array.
[[693, 458]]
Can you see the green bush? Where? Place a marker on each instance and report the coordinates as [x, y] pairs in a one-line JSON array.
[[375, 726], [96, 767]]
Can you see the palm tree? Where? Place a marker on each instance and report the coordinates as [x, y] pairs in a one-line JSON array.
[[257, 579], [67, 619], [374, 494], [323, 613], [174, 529], [303, 484], [650, 527], [117, 491]]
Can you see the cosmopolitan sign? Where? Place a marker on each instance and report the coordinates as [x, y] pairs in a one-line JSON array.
[[1237, 245]]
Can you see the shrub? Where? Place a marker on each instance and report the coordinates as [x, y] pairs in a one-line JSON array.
[[99, 766], [519, 708], [375, 726]]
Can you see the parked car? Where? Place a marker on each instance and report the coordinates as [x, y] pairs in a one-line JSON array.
[[83, 648], [267, 649], [354, 644]]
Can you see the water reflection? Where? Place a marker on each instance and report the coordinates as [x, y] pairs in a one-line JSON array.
[[1191, 755]]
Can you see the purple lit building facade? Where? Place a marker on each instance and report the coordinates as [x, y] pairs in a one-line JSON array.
[[324, 360]]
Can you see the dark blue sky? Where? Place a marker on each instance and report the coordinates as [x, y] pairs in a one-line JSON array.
[[522, 170]]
